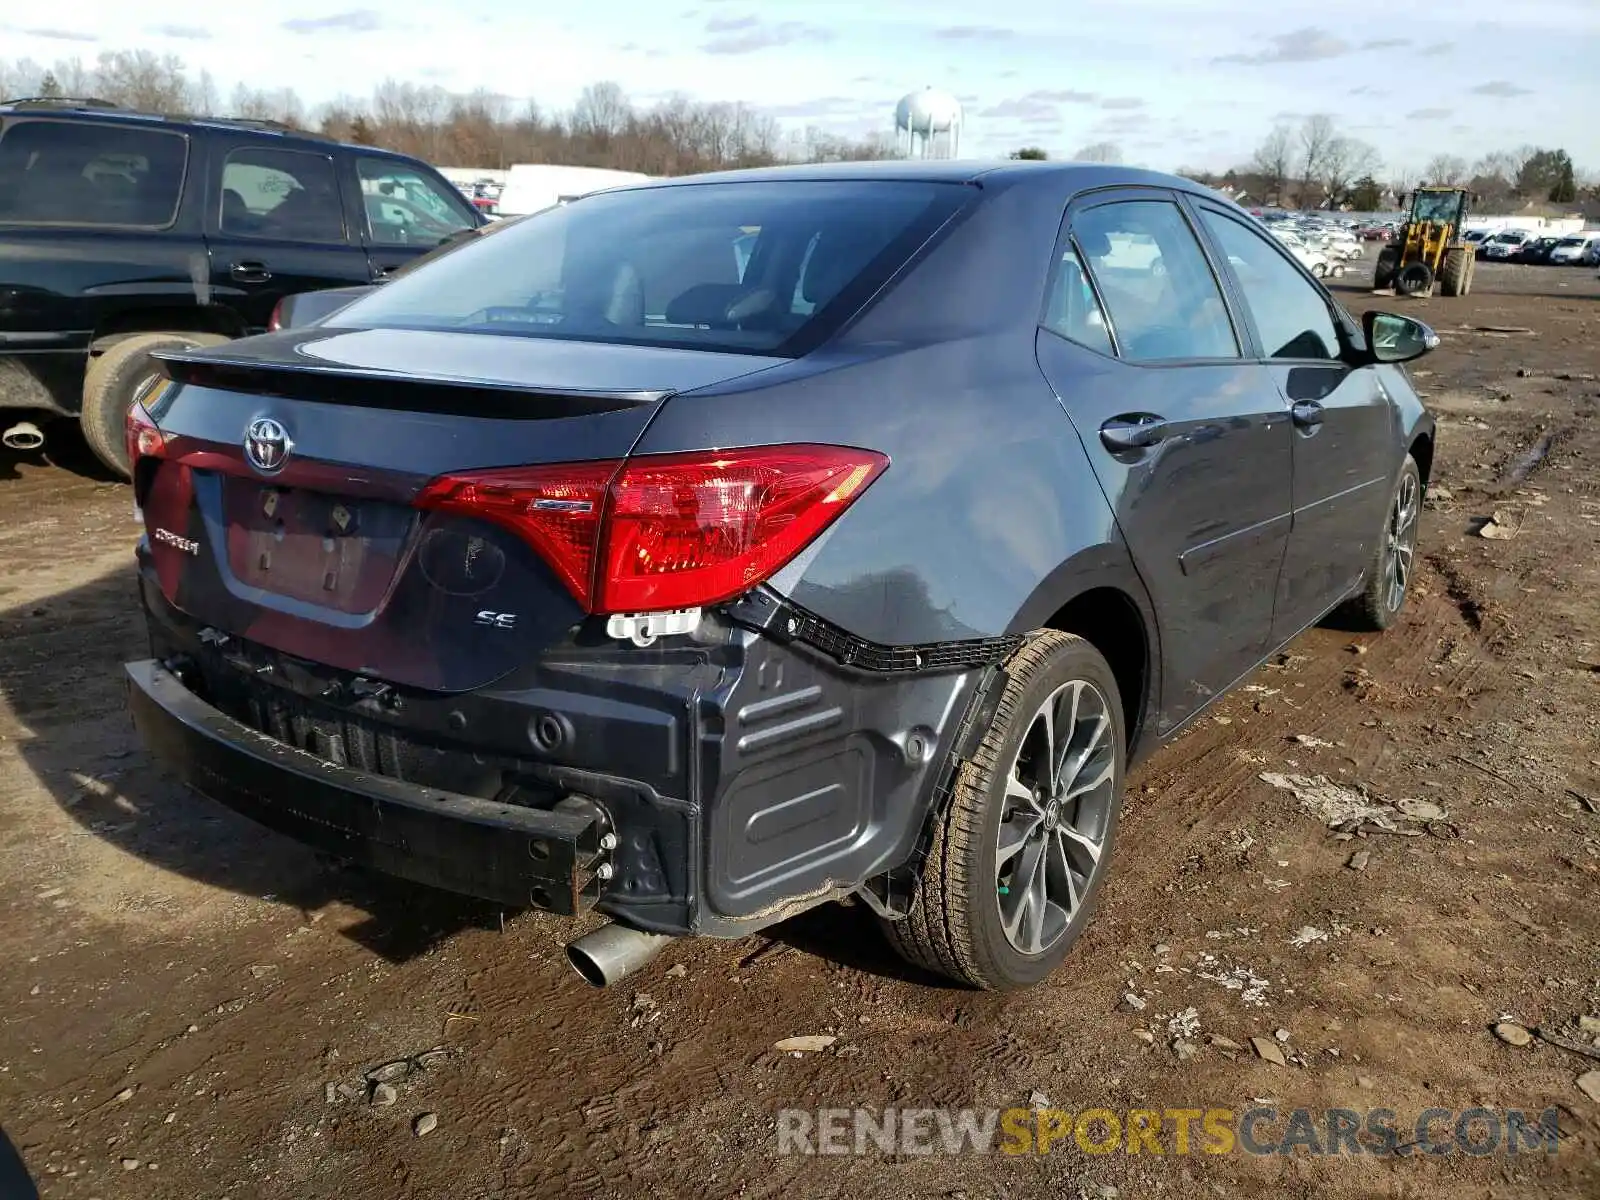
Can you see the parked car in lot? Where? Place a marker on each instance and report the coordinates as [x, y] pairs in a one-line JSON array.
[[125, 233], [1477, 239], [1576, 250], [602, 565], [1508, 243], [1536, 252]]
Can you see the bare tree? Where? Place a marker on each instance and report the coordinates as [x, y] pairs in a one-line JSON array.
[[1447, 170], [1098, 152], [602, 111], [480, 129], [1345, 159], [1317, 135], [1274, 160], [143, 80]]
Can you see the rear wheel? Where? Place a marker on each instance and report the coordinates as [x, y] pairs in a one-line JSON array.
[[1455, 271], [1389, 576], [1020, 852], [114, 380]]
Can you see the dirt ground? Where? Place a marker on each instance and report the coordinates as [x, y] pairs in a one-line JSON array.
[[182, 993]]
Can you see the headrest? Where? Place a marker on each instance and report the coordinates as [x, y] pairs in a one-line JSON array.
[[1094, 244]]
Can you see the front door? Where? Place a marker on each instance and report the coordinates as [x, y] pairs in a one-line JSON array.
[[405, 211], [275, 226], [1345, 427], [1188, 438]]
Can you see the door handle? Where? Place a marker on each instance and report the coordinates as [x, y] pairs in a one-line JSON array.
[[250, 272], [1307, 414], [1135, 432]]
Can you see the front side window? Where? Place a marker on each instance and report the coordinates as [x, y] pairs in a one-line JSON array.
[[756, 267], [1162, 298], [1290, 314], [81, 173], [282, 195], [404, 207]]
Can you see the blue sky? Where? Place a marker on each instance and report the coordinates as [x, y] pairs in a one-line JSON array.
[[1173, 82]]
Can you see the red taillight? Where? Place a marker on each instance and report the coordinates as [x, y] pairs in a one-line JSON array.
[[666, 531], [144, 439], [275, 321]]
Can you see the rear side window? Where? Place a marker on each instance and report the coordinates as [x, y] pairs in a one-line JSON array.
[[1073, 310], [758, 267], [81, 173], [1164, 302], [282, 195]]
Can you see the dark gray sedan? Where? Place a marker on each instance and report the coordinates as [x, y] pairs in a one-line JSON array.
[[703, 551]]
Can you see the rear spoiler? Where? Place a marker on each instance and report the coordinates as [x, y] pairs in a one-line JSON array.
[[384, 390]]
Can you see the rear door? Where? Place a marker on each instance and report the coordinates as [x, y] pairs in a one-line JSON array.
[[1188, 437], [404, 211], [276, 225], [1345, 427]]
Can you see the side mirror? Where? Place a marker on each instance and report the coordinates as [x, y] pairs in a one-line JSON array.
[[1392, 338]]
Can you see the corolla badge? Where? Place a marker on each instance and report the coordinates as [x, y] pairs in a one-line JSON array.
[[267, 445]]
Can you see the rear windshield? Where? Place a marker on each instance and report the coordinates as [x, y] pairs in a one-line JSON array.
[[81, 173], [1573, 241], [762, 268]]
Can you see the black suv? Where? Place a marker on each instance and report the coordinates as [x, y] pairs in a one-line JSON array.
[[124, 233]]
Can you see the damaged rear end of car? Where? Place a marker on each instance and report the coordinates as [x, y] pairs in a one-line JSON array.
[[422, 596]]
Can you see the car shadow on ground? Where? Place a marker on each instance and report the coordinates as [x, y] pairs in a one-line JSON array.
[[15, 1182], [61, 677]]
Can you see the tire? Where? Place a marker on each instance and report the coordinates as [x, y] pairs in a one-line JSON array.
[[1413, 279], [956, 926], [1453, 272], [114, 379], [1381, 601], [1383, 273], [1472, 274]]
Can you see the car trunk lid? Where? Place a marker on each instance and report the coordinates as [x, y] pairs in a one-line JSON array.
[[281, 508]]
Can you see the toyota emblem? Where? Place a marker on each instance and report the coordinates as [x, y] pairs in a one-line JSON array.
[[267, 445]]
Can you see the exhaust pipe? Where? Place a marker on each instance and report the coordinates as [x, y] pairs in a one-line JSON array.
[[24, 435], [613, 951]]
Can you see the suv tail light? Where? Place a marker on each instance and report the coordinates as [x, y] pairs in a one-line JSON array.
[[666, 531], [275, 321]]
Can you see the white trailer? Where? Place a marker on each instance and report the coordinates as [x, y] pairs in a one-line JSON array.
[[533, 186]]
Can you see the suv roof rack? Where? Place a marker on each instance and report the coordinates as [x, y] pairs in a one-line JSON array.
[[261, 123], [59, 102]]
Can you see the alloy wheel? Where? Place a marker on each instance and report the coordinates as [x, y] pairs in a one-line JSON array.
[[1057, 810], [1401, 540]]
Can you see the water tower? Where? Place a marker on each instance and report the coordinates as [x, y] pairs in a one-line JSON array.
[[927, 124]]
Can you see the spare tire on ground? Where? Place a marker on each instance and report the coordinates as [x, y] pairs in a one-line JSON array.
[[1413, 279]]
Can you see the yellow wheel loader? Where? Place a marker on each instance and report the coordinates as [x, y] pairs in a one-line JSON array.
[[1429, 248]]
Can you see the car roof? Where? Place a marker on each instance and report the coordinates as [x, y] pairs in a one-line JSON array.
[[51, 108], [1064, 176]]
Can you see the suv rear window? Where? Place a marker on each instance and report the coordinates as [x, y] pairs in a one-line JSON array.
[[82, 173], [757, 267]]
